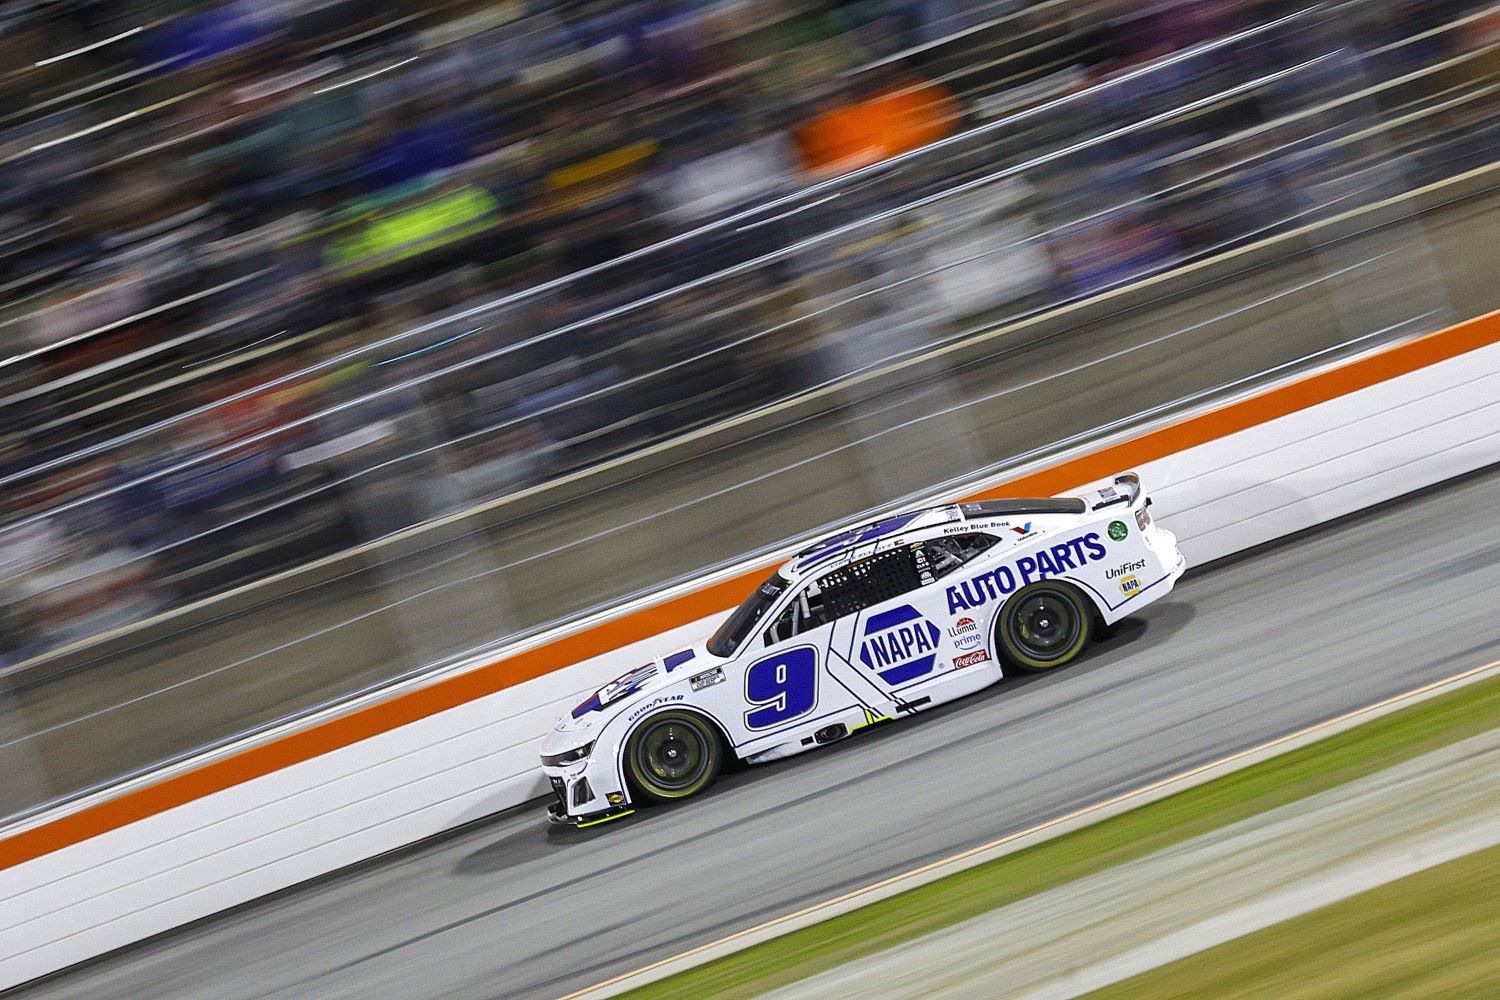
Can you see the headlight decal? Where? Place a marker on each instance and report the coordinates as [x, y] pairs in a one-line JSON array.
[[567, 756]]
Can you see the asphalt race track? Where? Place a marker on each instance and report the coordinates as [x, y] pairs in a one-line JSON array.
[[1242, 652]]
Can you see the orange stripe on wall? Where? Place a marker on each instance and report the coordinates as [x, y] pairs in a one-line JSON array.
[[294, 748]]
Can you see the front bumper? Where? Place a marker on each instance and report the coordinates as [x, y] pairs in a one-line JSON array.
[[557, 813], [587, 791]]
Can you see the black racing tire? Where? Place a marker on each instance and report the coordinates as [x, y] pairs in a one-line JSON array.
[[1044, 626], [673, 755]]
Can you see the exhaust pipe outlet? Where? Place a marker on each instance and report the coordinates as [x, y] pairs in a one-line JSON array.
[[828, 734]]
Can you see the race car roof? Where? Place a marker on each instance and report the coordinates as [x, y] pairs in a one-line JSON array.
[[835, 545], [827, 549]]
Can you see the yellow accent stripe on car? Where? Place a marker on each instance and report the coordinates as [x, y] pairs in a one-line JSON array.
[[606, 819], [870, 719]]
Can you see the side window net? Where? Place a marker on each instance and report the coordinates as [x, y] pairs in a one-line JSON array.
[[946, 554], [851, 589], [870, 581]]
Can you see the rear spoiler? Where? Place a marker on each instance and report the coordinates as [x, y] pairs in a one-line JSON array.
[[1124, 489]]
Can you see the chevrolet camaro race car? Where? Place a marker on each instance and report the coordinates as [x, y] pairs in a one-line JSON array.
[[881, 620]]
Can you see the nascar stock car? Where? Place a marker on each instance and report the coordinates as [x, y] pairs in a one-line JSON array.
[[877, 621]]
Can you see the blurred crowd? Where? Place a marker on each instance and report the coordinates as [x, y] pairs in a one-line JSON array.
[[277, 278]]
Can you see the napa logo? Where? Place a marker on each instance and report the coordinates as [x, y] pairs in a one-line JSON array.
[[1129, 583], [899, 644]]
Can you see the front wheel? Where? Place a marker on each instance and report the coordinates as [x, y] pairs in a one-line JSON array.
[[1044, 626], [673, 755]]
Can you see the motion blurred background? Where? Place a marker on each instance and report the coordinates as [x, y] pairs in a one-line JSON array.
[[338, 338]]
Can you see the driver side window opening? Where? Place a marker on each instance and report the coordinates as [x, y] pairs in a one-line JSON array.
[[805, 613], [944, 555]]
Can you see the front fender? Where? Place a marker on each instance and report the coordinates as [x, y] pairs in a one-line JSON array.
[[606, 789], [651, 709]]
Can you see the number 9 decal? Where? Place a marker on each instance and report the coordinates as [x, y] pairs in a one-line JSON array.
[[785, 686]]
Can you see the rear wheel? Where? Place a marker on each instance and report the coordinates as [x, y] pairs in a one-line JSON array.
[[673, 755], [1044, 626]]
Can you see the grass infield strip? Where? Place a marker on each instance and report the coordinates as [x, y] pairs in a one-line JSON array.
[[1431, 934], [1367, 748]]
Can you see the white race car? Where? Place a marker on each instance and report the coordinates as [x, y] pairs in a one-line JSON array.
[[880, 620]]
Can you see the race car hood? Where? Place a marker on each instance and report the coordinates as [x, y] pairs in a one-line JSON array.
[[629, 689]]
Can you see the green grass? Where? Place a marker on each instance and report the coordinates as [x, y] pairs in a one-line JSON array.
[[1357, 752], [1432, 934]]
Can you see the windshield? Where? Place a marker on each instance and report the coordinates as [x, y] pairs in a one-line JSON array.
[[739, 624]]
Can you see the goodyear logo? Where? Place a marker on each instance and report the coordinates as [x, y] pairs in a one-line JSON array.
[[1075, 553], [656, 702], [899, 644]]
